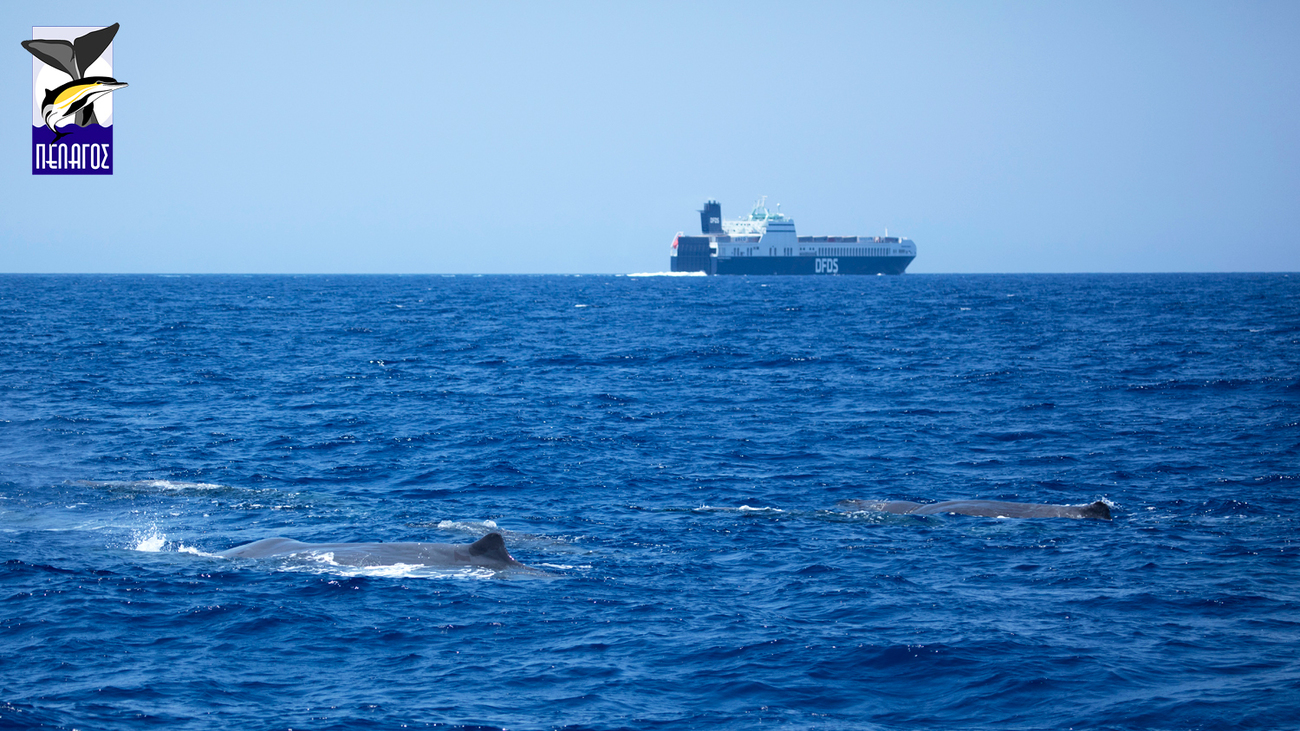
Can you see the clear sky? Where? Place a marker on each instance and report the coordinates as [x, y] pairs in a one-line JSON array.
[[425, 137]]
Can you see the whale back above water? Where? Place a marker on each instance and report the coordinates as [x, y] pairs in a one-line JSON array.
[[488, 552], [982, 508]]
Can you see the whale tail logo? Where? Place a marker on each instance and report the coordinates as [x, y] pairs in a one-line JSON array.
[[72, 80], [75, 99]]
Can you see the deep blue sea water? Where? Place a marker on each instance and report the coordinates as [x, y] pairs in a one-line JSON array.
[[669, 452]]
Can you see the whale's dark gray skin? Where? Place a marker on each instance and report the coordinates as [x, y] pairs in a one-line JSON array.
[[983, 508], [488, 552]]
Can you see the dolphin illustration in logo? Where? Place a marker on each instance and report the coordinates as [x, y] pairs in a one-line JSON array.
[[75, 99]]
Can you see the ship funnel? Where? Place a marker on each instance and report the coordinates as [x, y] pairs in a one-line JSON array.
[[711, 218]]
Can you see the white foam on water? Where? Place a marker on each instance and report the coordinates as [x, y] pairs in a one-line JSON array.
[[149, 541], [471, 526], [169, 485], [153, 484], [324, 563], [324, 557], [152, 540], [668, 274], [741, 509]]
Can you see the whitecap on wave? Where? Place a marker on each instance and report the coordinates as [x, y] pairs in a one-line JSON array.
[[324, 563], [152, 540], [740, 509], [153, 484], [475, 527]]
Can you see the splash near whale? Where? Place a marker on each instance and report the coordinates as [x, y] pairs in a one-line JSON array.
[[487, 552], [72, 85], [982, 508]]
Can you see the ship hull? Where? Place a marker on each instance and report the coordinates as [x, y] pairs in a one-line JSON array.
[[794, 265], [813, 265]]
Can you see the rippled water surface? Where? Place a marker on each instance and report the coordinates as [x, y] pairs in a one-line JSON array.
[[667, 454]]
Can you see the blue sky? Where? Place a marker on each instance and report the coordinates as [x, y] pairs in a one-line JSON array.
[[488, 137]]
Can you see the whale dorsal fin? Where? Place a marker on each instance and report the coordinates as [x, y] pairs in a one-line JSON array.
[[1098, 510], [58, 54], [491, 546]]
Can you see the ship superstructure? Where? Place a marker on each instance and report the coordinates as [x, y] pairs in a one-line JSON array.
[[766, 243]]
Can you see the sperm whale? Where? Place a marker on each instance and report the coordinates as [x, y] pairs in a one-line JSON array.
[[982, 508], [487, 552]]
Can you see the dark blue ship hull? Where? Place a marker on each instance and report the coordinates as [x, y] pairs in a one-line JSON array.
[[778, 265], [766, 265]]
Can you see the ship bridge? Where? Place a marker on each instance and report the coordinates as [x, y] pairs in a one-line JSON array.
[[760, 222]]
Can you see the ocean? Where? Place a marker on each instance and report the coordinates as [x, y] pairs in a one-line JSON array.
[[667, 455]]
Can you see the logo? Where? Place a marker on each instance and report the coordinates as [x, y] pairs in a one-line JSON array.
[[828, 266], [72, 106]]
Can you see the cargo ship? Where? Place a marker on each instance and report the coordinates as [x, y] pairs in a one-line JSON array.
[[765, 243]]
